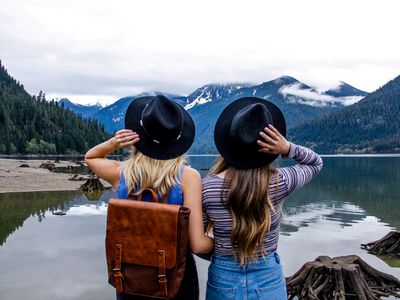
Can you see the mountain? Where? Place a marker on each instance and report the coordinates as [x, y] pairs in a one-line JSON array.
[[83, 110], [30, 124], [372, 125], [299, 103]]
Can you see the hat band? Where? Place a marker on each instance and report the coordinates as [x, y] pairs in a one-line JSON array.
[[148, 134]]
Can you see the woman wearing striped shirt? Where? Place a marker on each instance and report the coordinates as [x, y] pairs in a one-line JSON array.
[[243, 197]]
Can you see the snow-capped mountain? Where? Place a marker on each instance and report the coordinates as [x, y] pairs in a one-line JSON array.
[[299, 103]]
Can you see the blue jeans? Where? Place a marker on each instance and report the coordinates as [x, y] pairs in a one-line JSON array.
[[259, 280]]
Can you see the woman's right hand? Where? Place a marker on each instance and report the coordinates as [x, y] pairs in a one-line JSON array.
[[124, 138], [273, 142]]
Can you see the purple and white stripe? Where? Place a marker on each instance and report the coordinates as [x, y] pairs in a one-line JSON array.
[[288, 180]]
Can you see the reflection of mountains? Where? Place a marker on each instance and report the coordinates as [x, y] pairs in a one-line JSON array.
[[348, 189], [15, 208], [295, 217]]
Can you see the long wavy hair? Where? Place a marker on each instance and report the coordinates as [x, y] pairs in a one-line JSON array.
[[249, 205], [143, 172]]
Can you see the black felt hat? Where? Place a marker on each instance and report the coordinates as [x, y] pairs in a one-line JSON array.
[[237, 131], [165, 128]]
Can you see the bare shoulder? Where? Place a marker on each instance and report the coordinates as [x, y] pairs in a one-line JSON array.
[[190, 175]]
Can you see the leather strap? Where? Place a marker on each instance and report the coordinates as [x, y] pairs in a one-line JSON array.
[[118, 277], [162, 277], [153, 195]]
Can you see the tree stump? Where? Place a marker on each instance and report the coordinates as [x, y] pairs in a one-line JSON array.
[[93, 184], [92, 188], [388, 245], [340, 278]]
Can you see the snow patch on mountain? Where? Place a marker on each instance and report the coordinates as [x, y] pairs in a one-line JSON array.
[[203, 98]]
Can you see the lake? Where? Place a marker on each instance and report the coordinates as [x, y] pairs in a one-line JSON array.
[[44, 256]]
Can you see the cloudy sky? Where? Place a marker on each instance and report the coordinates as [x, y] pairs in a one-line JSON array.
[[89, 50]]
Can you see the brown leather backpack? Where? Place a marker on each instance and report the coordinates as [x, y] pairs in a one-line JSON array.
[[146, 246]]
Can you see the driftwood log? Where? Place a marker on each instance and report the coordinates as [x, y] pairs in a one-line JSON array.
[[76, 177], [340, 278], [48, 166], [388, 245]]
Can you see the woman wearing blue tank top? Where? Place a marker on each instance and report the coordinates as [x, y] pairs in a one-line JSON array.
[[160, 132], [243, 197]]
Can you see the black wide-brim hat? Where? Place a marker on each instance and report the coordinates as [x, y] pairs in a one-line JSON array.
[[237, 131], [166, 130]]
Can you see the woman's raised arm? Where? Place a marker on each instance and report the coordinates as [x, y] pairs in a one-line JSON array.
[[105, 168]]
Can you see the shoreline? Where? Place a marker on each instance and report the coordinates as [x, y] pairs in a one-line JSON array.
[[15, 179]]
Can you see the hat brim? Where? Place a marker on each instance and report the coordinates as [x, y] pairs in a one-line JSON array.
[[234, 154], [146, 145]]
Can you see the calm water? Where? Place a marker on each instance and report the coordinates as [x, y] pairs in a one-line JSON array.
[[44, 256]]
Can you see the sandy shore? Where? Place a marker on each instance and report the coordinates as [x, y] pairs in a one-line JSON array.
[[13, 178]]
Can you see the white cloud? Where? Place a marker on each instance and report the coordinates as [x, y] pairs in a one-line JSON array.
[[313, 97]]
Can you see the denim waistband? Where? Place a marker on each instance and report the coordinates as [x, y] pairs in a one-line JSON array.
[[271, 258]]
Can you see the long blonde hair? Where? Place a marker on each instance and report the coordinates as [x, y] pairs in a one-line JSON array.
[[249, 205], [141, 172]]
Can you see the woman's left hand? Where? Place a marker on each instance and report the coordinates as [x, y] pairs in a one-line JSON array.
[[273, 142]]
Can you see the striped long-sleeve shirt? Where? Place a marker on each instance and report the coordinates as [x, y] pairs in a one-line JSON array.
[[280, 186]]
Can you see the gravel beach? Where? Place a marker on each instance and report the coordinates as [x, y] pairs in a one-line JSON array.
[[14, 178]]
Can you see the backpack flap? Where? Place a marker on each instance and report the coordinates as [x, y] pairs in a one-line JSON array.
[[143, 229]]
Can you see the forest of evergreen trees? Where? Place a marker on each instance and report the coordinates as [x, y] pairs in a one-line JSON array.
[[33, 125]]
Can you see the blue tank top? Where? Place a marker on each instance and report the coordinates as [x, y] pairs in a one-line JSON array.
[[175, 196]]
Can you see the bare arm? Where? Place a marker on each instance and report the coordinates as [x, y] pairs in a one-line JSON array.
[[191, 187], [108, 169]]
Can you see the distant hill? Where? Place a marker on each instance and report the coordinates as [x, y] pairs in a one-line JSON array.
[[83, 110], [345, 90], [370, 126], [31, 124]]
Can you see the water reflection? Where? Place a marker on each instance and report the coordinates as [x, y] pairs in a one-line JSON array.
[[346, 191], [16, 208]]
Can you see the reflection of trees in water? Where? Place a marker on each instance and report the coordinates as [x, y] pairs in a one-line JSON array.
[[15, 208], [370, 183]]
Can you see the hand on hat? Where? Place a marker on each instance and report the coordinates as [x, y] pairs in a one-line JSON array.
[[124, 137], [273, 142]]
